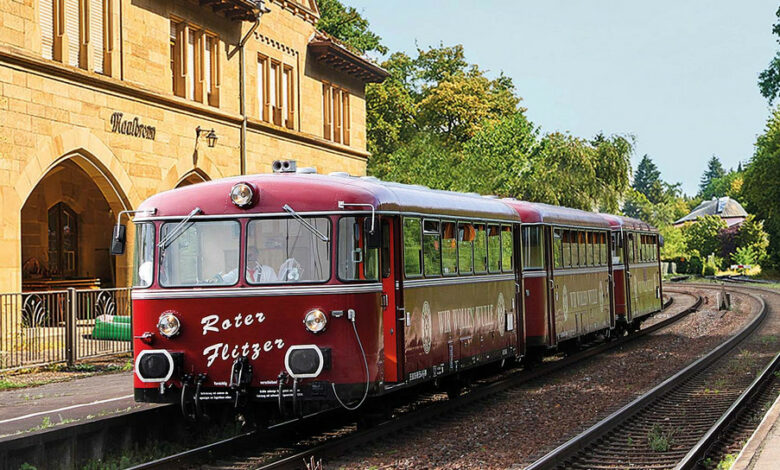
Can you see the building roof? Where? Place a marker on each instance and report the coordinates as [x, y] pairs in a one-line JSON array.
[[317, 193], [725, 207], [333, 53]]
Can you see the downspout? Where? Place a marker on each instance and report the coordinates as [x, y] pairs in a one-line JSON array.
[[242, 86]]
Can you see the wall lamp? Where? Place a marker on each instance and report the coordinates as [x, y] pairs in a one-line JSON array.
[[211, 137]]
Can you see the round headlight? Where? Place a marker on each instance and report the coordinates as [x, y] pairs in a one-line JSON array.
[[169, 324], [315, 320], [242, 194]]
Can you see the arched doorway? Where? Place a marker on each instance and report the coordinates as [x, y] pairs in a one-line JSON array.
[[192, 177], [67, 224]]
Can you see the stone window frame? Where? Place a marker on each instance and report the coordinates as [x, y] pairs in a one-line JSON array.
[[60, 39], [274, 112], [193, 85], [336, 116]]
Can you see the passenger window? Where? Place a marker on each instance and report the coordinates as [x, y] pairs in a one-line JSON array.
[[449, 249], [507, 248], [466, 234], [631, 248], [575, 259], [480, 249], [591, 245], [558, 248], [583, 252], [533, 248], [494, 249], [412, 248], [431, 248], [604, 251]]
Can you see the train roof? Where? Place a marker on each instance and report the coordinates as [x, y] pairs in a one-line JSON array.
[[307, 193], [536, 212], [618, 222]]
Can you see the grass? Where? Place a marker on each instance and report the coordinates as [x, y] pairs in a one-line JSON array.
[[660, 440], [727, 462]]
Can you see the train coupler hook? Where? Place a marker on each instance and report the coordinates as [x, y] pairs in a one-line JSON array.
[[281, 380], [196, 398]]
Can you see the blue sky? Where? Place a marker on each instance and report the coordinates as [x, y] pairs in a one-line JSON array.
[[678, 75]]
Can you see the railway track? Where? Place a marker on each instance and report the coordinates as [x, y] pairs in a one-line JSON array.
[[690, 420], [270, 451]]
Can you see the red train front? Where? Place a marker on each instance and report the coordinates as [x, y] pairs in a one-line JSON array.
[[235, 300]]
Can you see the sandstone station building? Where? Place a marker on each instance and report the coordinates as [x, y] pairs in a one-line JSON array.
[[106, 102]]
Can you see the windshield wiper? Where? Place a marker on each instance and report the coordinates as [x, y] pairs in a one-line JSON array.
[[306, 224], [177, 230]]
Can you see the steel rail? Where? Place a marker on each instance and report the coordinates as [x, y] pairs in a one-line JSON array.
[[572, 447], [700, 450], [390, 426], [426, 414]]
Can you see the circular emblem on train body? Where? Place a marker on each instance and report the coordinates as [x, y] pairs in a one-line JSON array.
[[565, 303], [501, 314], [427, 327]]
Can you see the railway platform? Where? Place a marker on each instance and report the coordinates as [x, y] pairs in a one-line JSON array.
[[33, 409], [762, 451]]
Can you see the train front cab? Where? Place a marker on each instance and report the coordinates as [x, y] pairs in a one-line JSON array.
[[565, 271]]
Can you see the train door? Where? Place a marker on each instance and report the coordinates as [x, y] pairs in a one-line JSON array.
[[608, 240], [392, 303], [631, 294], [549, 250]]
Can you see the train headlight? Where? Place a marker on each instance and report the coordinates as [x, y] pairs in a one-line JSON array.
[[242, 195], [169, 324], [315, 320]]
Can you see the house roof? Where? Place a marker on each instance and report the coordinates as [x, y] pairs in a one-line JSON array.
[[332, 52], [725, 207]]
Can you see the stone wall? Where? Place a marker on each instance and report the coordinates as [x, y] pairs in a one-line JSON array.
[[51, 113]]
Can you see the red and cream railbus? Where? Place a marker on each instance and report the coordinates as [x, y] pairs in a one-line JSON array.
[[566, 275], [636, 270], [305, 289]]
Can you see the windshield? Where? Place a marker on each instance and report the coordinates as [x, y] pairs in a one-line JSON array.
[[286, 251], [203, 253], [143, 261]]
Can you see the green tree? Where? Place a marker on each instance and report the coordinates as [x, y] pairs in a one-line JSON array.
[[714, 170], [729, 185], [674, 243], [760, 189], [348, 26], [499, 158], [769, 79], [702, 236], [752, 235], [647, 180], [425, 160]]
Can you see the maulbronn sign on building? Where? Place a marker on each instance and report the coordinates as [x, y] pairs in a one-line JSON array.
[[96, 117]]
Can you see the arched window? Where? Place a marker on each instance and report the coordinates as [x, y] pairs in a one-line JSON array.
[[63, 242]]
